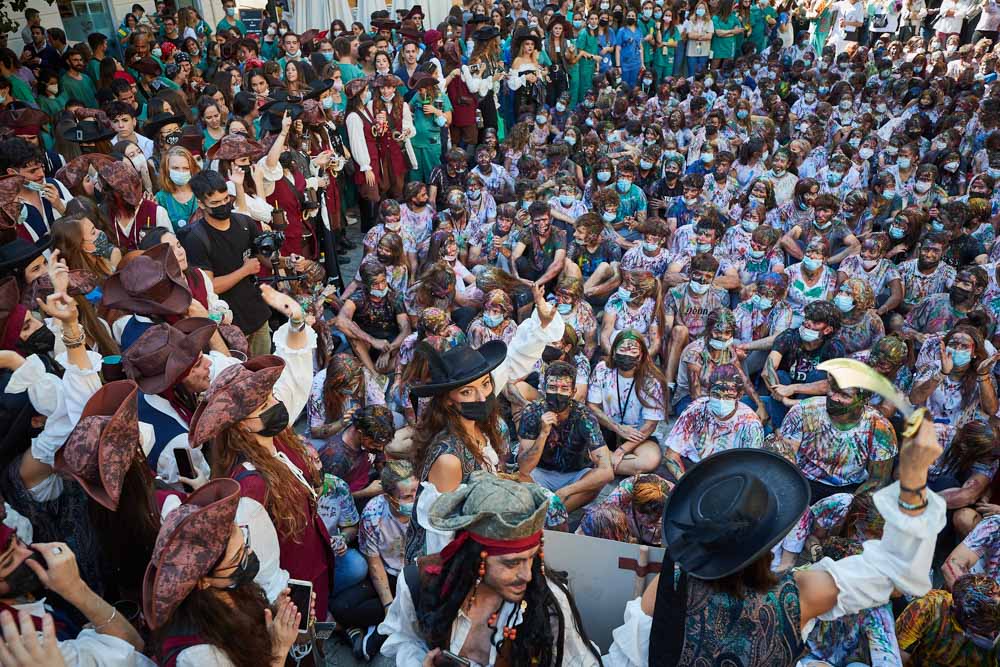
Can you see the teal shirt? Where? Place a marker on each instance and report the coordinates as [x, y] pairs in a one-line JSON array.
[[646, 27], [53, 106], [226, 25], [350, 72], [82, 89], [94, 70], [209, 139], [179, 213], [631, 202], [428, 131], [725, 47]]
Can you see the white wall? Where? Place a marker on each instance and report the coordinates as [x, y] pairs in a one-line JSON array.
[[50, 19]]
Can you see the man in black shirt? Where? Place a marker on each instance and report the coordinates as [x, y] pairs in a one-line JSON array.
[[222, 245]]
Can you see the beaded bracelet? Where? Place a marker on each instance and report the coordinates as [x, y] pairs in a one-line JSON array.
[[72, 343], [911, 507]]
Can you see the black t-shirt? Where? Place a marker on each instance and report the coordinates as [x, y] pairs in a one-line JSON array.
[[797, 361], [226, 253]]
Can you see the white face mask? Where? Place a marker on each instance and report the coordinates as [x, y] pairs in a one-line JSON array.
[[922, 186], [866, 153]]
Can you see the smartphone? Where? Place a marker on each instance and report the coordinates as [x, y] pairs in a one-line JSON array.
[[185, 467], [449, 659], [301, 594]]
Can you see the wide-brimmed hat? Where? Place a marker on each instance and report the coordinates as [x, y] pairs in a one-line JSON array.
[[355, 86], [388, 80], [384, 24], [192, 538], [153, 126], [25, 121], [123, 180], [147, 65], [274, 110], [86, 131], [559, 19], [12, 313], [17, 254], [731, 508], [81, 283], [415, 10], [99, 451], [459, 366], [163, 354], [234, 146], [73, 172], [235, 393], [421, 80], [486, 33], [150, 284], [492, 507], [317, 88], [520, 36]]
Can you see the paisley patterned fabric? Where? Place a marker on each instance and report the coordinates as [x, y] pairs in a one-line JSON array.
[[759, 631]]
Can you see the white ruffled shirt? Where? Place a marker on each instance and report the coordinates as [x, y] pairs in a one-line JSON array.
[[900, 560]]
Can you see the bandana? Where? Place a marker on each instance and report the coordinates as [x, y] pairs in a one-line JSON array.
[[490, 546], [12, 332], [974, 596], [891, 349], [433, 321]]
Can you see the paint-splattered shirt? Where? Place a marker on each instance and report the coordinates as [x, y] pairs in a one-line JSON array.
[[928, 631], [834, 456], [698, 433]]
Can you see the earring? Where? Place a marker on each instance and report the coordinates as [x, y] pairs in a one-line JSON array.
[[479, 578]]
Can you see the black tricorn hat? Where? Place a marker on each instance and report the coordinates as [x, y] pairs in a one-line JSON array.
[[459, 366]]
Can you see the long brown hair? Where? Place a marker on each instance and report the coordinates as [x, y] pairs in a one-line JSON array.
[[441, 418], [969, 378], [645, 371], [285, 493], [67, 237], [231, 620], [339, 371], [756, 577]]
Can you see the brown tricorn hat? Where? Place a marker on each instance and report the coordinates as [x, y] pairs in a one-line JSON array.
[[235, 394], [163, 354], [150, 284], [99, 451]]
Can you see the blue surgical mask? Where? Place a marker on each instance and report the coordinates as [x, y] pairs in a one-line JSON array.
[[624, 294], [903, 162], [406, 509], [762, 302], [327, 103], [567, 200], [959, 357], [367, 97], [474, 195], [571, 140], [697, 287], [623, 185], [604, 176], [540, 119], [749, 226], [560, 107], [937, 226], [721, 407], [492, 320], [703, 247], [650, 247], [564, 308], [845, 302], [742, 114], [811, 263], [608, 216], [645, 164], [328, 55], [180, 177], [647, 13], [699, 12], [897, 232], [717, 344], [756, 254], [379, 293], [808, 335]]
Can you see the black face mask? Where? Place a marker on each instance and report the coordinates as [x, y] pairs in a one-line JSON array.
[[23, 580], [960, 295], [220, 212], [274, 419], [245, 572], [172, 139], [386, 260], [556, 402], [551, 353], [625, 362], [477, 410], [42, 341]]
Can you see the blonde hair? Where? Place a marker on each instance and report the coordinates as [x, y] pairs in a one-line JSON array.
[[175, 151]]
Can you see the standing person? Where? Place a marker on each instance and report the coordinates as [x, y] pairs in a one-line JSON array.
[[727, 28], [465, 600], [199, 598], [628, 49], [483, 74], [698, 31], [130, 213], [362, 133], [726, 580], [246, 416], [431, 110], [667, 38], [560, 49], [221, 244], [460, 430], [589, 52]]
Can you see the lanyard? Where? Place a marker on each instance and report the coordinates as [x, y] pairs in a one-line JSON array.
[[628, 397]]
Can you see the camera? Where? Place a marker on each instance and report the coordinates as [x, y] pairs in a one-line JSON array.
[[268, 244]]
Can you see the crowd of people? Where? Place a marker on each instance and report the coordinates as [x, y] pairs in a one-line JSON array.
[[605, 250]]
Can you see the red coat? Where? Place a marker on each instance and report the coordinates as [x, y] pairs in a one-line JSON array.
[[463, 103]]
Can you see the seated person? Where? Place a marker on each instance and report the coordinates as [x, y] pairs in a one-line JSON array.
[[374, 317], [496, 321], [576, 311], [963, 474], [639, 499], [761, 318], [594, 259], [634, 306], [651, 254], [350, 454], [713, 423], [561, 445], [626, 395]]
